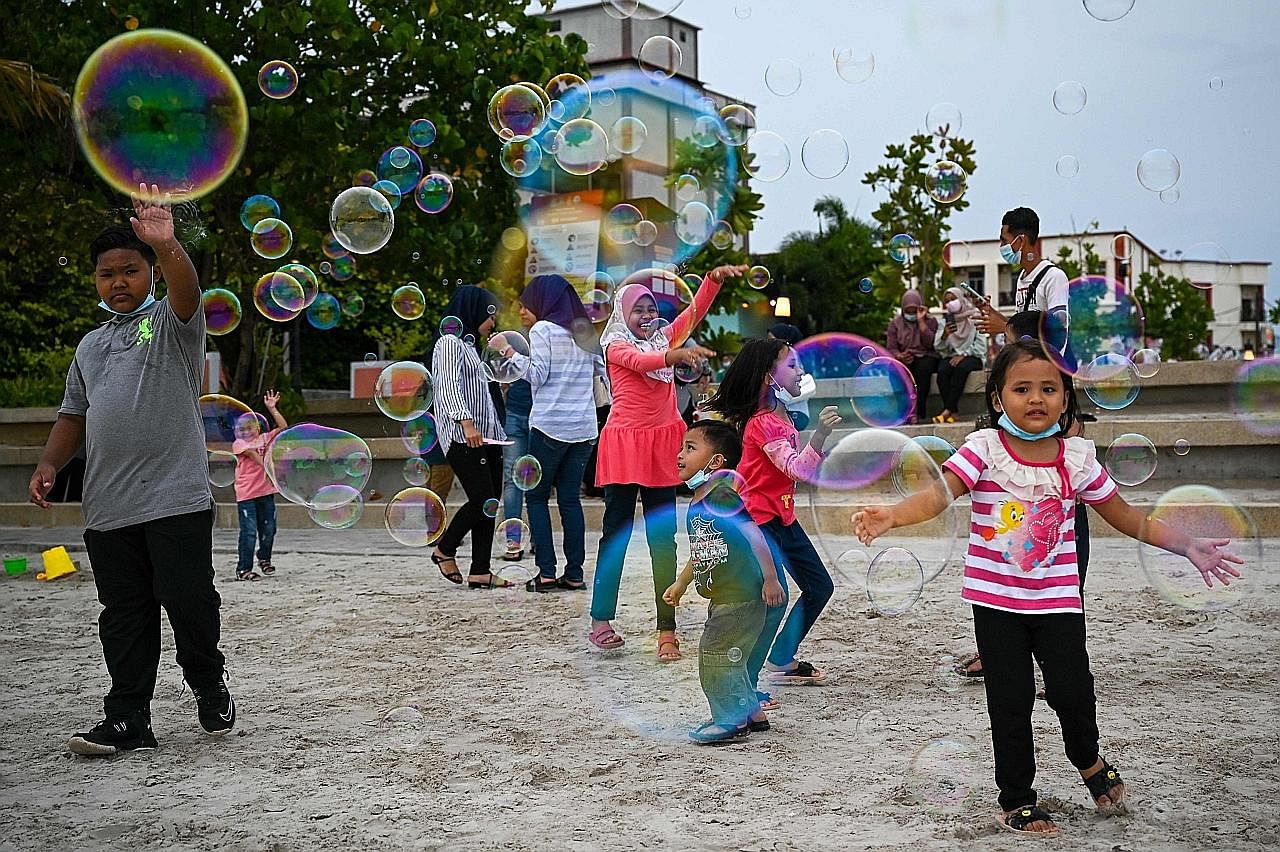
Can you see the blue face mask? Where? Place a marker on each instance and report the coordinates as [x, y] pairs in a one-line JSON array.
[[1007, 425], [700, 478], [1010, 256]]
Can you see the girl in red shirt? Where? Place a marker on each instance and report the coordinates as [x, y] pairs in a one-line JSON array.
[[771, 465]]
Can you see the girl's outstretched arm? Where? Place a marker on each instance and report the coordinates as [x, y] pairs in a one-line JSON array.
[[1204, 553], [689, 318], [874, 521]]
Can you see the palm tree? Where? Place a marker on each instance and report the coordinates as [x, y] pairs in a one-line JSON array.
[[26, 94], [831, 211]]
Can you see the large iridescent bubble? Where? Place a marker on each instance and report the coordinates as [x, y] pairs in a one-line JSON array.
[[306, 460], [160, 107]]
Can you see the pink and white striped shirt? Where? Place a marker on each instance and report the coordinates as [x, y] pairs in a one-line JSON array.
[[1022, 541]]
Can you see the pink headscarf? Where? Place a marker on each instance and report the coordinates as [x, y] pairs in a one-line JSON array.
[[616, 330]]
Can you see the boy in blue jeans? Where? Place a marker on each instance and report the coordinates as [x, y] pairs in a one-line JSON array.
[[132, 397]]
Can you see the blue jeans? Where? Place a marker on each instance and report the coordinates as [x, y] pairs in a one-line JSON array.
[[257, 520], [563, 463], [793, 551], [660, 531], [517, 429]]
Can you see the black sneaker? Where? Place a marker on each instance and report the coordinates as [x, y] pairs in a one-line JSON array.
[[113, 735], [216, 708]]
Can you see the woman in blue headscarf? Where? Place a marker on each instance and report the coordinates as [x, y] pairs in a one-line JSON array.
[[562, 421]]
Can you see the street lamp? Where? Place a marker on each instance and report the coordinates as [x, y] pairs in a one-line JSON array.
[[783, 307]]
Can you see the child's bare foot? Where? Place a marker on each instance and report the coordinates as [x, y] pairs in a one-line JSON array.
[[668, 647], [1106, 786], [1029, 820]]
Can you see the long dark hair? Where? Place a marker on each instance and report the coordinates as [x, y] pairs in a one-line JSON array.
[[1011, 354], [738, 396]]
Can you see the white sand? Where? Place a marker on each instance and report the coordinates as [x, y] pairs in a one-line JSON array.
[[532, 741]]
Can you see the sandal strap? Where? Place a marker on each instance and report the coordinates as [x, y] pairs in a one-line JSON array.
[[803, 668], [1103, 781], [1019, 819]]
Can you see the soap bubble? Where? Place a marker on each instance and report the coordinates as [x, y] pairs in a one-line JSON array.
[[620, 223], [344, 515], [402, 729], [221, 311], [520, 156], [895, 581], [646, 233], [389, 191], [758, 277], [513, 532], [660, 57], [737, 124], [306, 279], [1182, 446], [1217, 264], [914, 470], [256, 208], [943, 120], [581, 146], [1200, 511], [687, 186], [725, 500], [570, 97], [506, 370], [722, 235], [361, 219], [1131, 459], [157, 106], [1171, 195], [408, 303], [490, 507], [694, 223], [415, 517], [884, 393], [222, 468], [866, 285], [1108, 10], [706, 131], [324, 313], [853, 65], [867, 354], [1158, 169], [526, 473], [1146, 362], [353, 306], [825, 154], [1110, 381], [1103, 317], [273, 292], [277, 79], [900, 246], [945, 181], [513, 239], [416, 471], [768, 157], [403, 390], [943, 772], [1067, 166], [419, 434], [398, 156], [1215, 83], [422, 132], [434, 193], [955, 253], [305, 460], [628, 134], [364, 177], [220, 413], [271, 239], [400, 166], [450, 326], [783, 77], [1069, 97], [517, 111], [1255, 398]]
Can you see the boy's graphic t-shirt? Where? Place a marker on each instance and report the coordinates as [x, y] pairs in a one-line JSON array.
[[724, 566], [1022, 548], [136, 382], [251, 470], [771, 466]]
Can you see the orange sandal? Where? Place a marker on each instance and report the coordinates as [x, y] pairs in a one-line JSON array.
[[665, 656]]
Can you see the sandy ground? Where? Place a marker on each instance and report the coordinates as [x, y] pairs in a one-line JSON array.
[[527, 739]]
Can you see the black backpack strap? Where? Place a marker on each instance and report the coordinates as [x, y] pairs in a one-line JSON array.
[[1035, 283]]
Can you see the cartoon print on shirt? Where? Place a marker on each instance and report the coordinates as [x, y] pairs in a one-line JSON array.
[[1035, 540], [144, 332], [1009, 514]]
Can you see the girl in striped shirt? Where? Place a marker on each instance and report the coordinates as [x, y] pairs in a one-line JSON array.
[[1020, 570]]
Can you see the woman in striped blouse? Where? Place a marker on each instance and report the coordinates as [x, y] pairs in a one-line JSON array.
[[469, 430], [562, 422]]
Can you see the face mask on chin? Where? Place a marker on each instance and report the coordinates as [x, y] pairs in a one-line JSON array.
[[1010, 255], [146, 303], [700, 478]]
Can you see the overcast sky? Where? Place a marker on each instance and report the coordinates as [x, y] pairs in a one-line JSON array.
[[1147, 78]]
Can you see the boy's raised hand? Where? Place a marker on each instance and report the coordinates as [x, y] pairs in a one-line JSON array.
[[152, 221], [1207, 555], [872, 522]]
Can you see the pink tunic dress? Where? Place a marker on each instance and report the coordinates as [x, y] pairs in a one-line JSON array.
[[641, 439]]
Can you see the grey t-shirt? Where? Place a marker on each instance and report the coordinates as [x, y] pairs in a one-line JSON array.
[[136, 381]]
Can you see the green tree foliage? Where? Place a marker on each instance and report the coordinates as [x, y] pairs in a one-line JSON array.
[[909, 209], [1176, 313], [820, 274], [1083, 259], [365, 71]]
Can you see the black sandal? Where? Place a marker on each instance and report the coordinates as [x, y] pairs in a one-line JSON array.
[[700, 736], [492, 583], [247, 575], [804, 674], [538, 585], [962, 666], [571, 585], [454, 576], [1102, 783], [1018, 820]]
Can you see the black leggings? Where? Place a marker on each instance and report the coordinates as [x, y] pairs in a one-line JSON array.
[[951, 380], [479, 469]]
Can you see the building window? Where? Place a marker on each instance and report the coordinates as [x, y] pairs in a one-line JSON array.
[[1008, 295], [684, 37], [555, 25]]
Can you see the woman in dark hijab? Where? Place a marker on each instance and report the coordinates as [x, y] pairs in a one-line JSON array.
[[469, 429]]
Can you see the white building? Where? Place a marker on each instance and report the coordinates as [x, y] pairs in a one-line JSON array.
[[1233, 288]]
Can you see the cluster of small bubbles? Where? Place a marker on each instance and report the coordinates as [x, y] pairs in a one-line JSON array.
[[895, 581], [825, 154], [1146, 362], [945, 181], [1131, 459], [278, 79], [900, 246], [660, 57], [1067, 166], [222, 468], [783, 77], [434, 193], [389, 191], [403, 390], [490, 507], [361, 219], [419, 434], [408, 302], [1182, 446], [520, 156], [353, 306], [852, 65], [526, 472], [866, 285], [221, 311], [1069, 97], [450, 326], [1158, 169], [944, 120], [758, 277], [768, 157], [415, 517], [416, 471], [306, 460], [256, 208], [274, 293], [324, 313], [422, 132]]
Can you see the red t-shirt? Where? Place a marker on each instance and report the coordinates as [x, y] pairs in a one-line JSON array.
[[251, 472], [768, 445]]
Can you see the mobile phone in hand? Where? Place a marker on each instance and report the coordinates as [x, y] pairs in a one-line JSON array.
[[974, 293]]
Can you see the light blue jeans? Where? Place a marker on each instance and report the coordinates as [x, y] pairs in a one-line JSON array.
[[517, 429]]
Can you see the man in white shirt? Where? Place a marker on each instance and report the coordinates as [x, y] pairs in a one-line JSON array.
[[1042, 286]]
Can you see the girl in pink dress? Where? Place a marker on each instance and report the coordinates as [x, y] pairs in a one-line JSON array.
[[639, 444]]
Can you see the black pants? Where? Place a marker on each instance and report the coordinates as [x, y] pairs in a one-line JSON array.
[[951, 380], [479, 469], [138, 569], [922, 368], [1082, 544], [660, 530], [1007, 642]]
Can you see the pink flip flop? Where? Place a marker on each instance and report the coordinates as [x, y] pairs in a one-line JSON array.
[[605, 638]]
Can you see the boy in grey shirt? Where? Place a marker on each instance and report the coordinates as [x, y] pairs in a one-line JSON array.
[[132, 397]]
